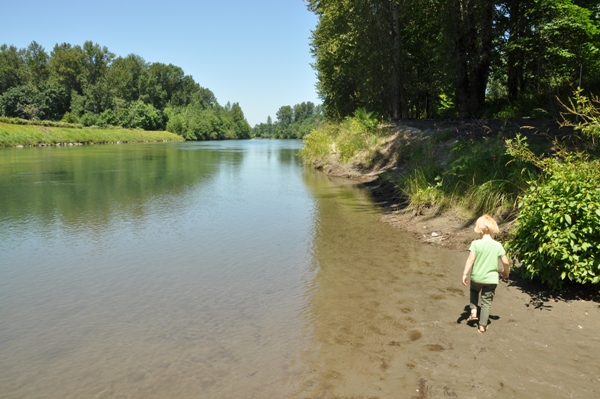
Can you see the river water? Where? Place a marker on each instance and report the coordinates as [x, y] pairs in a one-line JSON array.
[[191, 270]]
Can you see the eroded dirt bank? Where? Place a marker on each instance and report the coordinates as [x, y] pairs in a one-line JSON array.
[[448, 229]]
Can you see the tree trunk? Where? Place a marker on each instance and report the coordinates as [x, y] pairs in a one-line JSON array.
[[484, 62], [461, 53], [515, 61], [473, 43], [398, 104]]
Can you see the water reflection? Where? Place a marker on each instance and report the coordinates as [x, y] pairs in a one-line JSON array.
[[152, 271], [92, 183], [197, 270]]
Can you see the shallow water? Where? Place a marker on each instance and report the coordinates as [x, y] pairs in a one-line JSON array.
[[190, 270]]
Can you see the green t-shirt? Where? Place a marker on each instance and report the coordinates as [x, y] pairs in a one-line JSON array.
[[487, 253]]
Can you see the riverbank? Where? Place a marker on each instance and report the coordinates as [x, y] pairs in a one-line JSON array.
[[415, 342], [15, 135], [450, 227]]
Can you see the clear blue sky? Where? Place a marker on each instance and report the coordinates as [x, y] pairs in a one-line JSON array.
[[255, 52]]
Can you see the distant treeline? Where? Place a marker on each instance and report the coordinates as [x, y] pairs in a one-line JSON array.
[[90, 85], [292, 122]]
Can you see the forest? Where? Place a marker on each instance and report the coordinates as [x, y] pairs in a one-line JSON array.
[[91, 86], [454, 58], [292, 122]]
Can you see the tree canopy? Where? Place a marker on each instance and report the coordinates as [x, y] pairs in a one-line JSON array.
[[467, 58], [90, 85], [292, 122]]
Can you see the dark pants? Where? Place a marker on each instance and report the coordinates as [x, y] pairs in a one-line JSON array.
[[487, 296]]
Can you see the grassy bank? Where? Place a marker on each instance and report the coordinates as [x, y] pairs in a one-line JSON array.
[[457, 166], [13, 135]]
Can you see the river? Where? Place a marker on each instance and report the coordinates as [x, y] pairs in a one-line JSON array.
[[195, 270]]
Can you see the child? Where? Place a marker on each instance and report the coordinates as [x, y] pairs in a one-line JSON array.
[[482, 265]]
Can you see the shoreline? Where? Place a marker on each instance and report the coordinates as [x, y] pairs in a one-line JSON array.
[[445, 228], [21, 136]]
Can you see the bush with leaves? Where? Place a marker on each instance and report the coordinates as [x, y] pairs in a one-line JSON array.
[[557, 233], [49, 102], [346, 138]]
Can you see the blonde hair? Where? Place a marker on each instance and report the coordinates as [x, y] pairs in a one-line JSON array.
[[486, 225]]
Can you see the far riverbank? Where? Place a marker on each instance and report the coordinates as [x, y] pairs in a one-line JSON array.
[[17, 135]]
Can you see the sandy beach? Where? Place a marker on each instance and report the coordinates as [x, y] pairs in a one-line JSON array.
[[540, 344]]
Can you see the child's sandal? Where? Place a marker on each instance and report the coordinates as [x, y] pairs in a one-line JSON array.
[[482, 329]]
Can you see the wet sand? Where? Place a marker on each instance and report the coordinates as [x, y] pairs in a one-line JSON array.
[[391, 344], [395, 327]]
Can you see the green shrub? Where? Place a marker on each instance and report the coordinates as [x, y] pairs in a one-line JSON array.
[[421, 192], [557, 233], [319, 143], [69, 118], [20, 121], [484, 176], [90, 119], [348, 137]]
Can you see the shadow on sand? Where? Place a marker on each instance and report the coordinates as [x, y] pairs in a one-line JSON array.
[[542, 297]]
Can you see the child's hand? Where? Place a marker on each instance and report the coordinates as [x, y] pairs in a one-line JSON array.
[[464, 279], [505, 273]]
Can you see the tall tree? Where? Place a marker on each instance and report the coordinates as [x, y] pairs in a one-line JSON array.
[[67, 66], [125, 75], [12, 68], [382, 55], [36, 59], [242, 127], [96, 61], [473, 22], [285, 116]]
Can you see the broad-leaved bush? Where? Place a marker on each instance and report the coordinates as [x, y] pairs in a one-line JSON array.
[[557, 233]]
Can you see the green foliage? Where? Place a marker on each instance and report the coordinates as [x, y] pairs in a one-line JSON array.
[[583, 113], [90, 119], [344, 139], [552, 47], [427, 58], [292, 122], [319, 143], [12, 68], [557, 233], [49, 102], [89, 84], [19, 121], [422, 191], [478, 176], [479, 160], [446, 106], [386, 57], [197, 122], [69, 118]]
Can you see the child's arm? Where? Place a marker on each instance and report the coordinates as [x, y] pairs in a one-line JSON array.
[[506, 264], [468, 266]]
